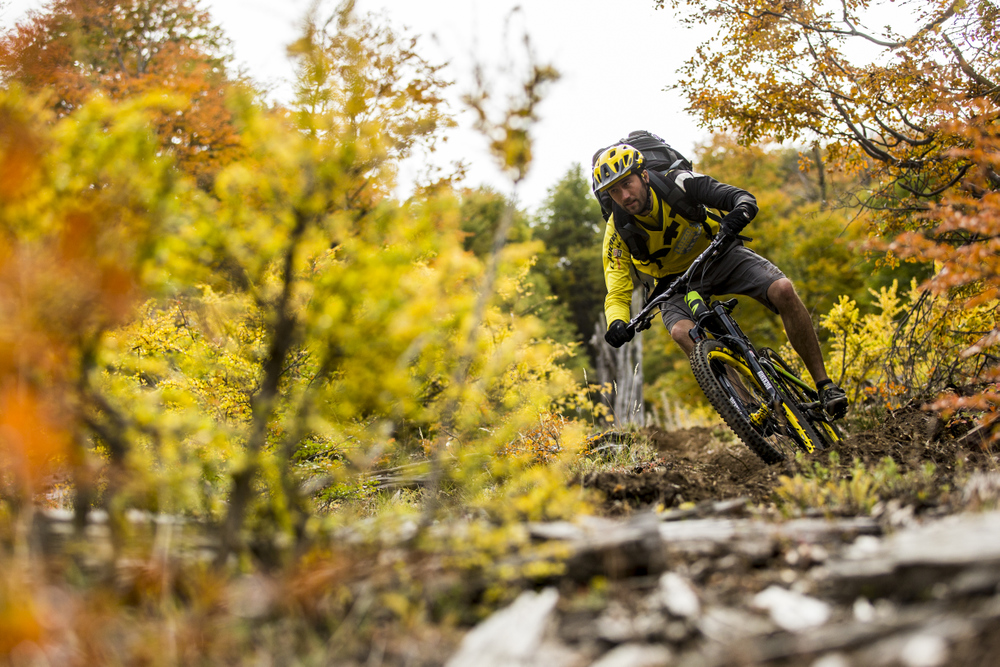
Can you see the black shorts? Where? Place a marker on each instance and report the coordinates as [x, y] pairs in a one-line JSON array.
[[739, 271]]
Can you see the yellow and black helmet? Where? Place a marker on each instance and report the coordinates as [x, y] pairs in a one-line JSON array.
[[614, 164]]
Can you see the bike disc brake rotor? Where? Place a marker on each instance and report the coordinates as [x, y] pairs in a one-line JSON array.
[[766, 419]]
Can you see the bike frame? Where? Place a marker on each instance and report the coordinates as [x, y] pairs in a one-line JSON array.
[[733, 336], [768, 373], [643, 319], [814, 409]]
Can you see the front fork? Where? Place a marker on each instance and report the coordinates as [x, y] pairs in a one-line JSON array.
[[724, 328]]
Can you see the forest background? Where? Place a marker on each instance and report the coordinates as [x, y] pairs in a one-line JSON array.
[[216, 308]]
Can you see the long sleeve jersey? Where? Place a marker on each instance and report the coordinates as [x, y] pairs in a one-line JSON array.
[[674, 241]]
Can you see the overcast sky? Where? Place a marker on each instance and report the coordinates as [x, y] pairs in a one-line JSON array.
[[615, 56]]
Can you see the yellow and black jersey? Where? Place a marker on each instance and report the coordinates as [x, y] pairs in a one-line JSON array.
[[674, 242]]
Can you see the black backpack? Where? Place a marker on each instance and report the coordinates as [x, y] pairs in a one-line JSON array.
[[659, 156]]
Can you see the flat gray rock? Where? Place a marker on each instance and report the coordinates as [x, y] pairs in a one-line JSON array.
[[512, 637]]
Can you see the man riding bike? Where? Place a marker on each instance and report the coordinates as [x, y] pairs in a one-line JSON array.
[[659, 225]]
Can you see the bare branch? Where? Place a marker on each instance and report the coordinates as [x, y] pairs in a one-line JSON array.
[[861, 137], [941, 189], [898, 136], [966, 67]]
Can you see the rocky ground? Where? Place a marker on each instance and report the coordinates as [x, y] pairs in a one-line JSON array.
[[694, 561], [701, 569]]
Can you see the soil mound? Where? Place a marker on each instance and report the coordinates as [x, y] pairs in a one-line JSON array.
[[691, 466]]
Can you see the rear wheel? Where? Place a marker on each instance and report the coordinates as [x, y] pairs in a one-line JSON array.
[[771, 432]]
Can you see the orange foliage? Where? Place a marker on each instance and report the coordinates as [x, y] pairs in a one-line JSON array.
[[32, 440], [19, 619], [963, 241], [126, 48]]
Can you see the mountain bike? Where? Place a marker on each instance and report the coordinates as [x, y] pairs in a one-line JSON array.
[[757, 394]]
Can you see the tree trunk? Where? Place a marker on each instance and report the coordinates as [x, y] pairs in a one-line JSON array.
[[619, 371], [821, 175]]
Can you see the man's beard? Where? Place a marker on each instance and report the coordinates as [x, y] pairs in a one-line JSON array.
[[648, 207]]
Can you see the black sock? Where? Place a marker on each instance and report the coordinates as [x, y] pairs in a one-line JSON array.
[[823, 383]]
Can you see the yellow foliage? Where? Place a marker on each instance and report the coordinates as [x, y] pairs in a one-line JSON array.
[[841, 490], [223, 354], [908, 345]]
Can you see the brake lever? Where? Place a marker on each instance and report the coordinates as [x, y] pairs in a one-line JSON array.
[[739, 237]]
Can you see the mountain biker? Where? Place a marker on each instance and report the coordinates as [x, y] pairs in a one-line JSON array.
[[649, 235]]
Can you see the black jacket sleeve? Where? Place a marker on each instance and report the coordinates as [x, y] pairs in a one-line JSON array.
[[714, 194]]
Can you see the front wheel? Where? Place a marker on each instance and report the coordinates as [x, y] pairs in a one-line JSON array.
[[772, 433]]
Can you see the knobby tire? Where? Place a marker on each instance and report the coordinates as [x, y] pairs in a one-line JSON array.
[[735, 401]]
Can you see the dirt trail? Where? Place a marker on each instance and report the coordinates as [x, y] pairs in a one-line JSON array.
[[702, 464], [693, 465]]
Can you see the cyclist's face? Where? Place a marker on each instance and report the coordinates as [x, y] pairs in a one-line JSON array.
[[631, 194]]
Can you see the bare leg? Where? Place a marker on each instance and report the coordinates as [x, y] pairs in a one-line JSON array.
[[798, 327], [679, 332]]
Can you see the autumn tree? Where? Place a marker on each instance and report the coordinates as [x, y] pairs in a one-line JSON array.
[[878, 87], [297, 233], [194, 352], [75, 49], [332, 318], [355, 73], [570, 225]]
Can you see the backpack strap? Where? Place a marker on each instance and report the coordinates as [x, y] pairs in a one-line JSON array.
[[679, 201], [636, 238]]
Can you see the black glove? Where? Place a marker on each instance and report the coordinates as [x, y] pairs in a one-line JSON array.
[[734, 222], [618, 334]]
